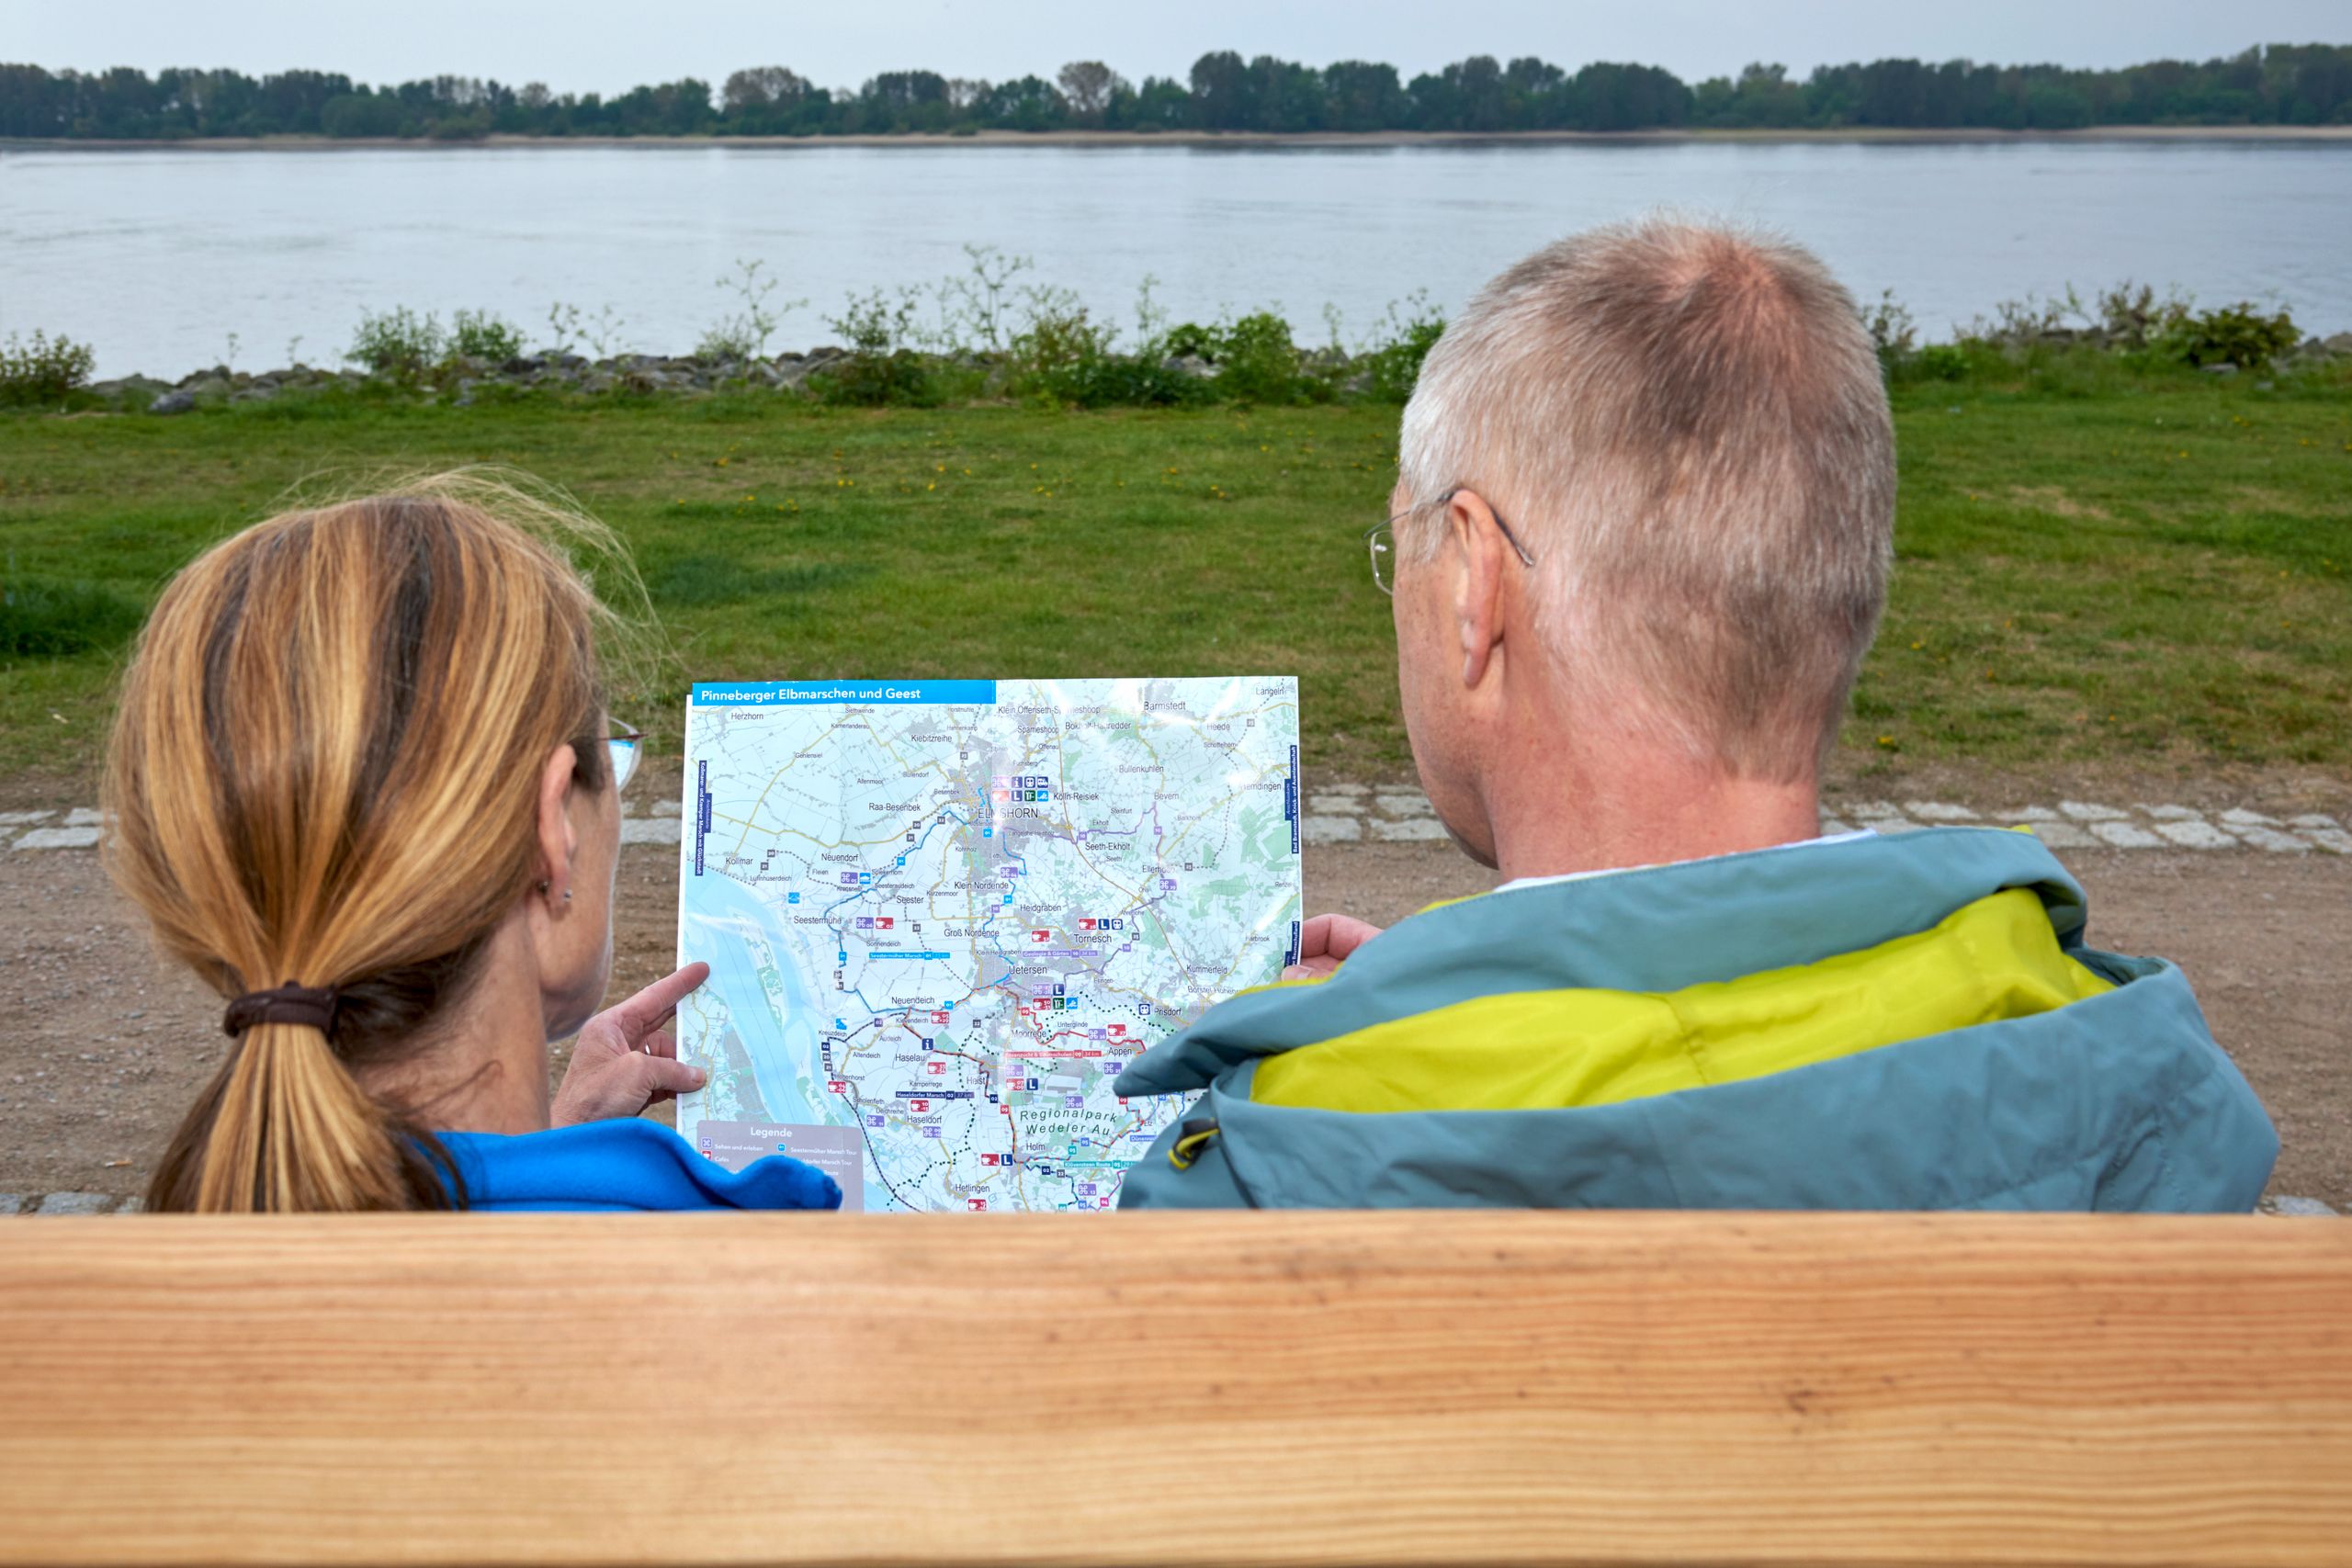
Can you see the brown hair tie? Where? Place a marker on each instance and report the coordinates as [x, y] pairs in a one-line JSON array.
[[302, 1006]]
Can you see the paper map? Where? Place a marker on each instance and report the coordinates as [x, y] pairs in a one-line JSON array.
[[941, 916]]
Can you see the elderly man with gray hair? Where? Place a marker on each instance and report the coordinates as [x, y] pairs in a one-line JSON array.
[[1640, 545]]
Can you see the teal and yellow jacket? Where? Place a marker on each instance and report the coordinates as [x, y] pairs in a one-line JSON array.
[[1909, 1021]]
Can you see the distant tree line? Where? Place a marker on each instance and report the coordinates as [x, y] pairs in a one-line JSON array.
[[2308, 84]]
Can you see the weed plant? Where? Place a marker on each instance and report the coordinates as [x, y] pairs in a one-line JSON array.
[[44, 371], [412, 347]]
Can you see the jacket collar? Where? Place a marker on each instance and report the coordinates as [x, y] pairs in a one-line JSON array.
[[1657, 929]]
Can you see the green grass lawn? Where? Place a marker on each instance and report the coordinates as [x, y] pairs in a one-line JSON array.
[[2152, 574]]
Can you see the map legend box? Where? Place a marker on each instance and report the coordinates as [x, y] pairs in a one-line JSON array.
[[838, 1152]]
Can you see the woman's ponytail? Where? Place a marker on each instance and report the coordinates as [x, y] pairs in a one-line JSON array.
[[325, 766], [284, 1126]]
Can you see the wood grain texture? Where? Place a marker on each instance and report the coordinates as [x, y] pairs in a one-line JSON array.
[[1142, 1389]]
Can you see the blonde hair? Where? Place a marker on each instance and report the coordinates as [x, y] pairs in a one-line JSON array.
[[1689, 423], [324, 772]]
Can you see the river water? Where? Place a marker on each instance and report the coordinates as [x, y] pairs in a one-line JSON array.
[[155, 257]]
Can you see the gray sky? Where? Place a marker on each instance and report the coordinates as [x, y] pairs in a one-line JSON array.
[[606, 45]]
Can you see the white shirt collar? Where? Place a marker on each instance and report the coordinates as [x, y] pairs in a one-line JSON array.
[[1518, 883]]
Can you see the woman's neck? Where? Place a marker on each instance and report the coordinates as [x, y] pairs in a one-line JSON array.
[[485, 1068]]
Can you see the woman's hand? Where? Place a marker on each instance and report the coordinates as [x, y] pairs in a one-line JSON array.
[[626, 1058], [1324, 943]]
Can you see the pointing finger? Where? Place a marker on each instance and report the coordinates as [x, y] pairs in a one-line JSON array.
[[643, 1013]]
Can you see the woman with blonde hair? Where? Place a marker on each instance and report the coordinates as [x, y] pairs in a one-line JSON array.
[[363, 781]]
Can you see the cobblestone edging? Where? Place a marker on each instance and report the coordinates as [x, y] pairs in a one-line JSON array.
[[1340, 814], [67, 1203], [100, 1203], [1351, 813]]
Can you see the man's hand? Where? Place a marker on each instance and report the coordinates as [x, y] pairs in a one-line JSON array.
[[626, 1058], [1324, 943]]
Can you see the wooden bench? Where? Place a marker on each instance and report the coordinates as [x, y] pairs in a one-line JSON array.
[[1141, 1389]]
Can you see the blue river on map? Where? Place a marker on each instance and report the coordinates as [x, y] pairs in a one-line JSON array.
[[718, 917]]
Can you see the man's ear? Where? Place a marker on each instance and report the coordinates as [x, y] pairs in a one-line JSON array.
[[1476, 543], [557, 841]]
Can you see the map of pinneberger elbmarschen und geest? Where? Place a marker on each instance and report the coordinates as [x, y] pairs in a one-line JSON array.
[[941, 916]]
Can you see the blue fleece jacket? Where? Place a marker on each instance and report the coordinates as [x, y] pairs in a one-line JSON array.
[[618, 1166]]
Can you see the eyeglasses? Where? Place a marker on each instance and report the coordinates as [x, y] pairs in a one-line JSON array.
[[1380, 539], [623, 748]]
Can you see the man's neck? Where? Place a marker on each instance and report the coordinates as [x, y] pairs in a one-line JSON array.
[[1632, 810]]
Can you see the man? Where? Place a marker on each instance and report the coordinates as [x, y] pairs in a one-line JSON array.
[[1641, 543]]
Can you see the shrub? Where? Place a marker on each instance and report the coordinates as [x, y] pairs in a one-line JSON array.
[[42, 371], [600, 334], [480, 335], [1060, 355], [1191, 341], [2237, 334], [1126, 381], [49, 620], [1258, 363], [2132, 316], [976, 309], [1393, 362], [1256, 360], [881, 368], [744, 335], [1893, 332], [2016, 323], [1940, 362], [398, 343], [727, 342]]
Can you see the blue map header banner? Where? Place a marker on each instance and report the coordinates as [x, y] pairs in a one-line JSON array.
[[790, 694]]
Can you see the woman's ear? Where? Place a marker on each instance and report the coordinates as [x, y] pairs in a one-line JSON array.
[[557, 841]]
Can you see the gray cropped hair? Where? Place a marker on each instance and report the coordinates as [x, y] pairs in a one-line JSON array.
[[1687, 428]]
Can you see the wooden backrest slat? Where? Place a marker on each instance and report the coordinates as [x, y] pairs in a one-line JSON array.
[[1398, 1388]]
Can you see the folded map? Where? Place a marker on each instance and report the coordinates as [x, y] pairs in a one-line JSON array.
[[941, 916]]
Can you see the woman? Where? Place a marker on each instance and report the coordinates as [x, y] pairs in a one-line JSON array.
[[363, 781]]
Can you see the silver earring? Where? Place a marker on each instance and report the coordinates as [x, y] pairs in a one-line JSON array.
[[543, 883], [567, 895]]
